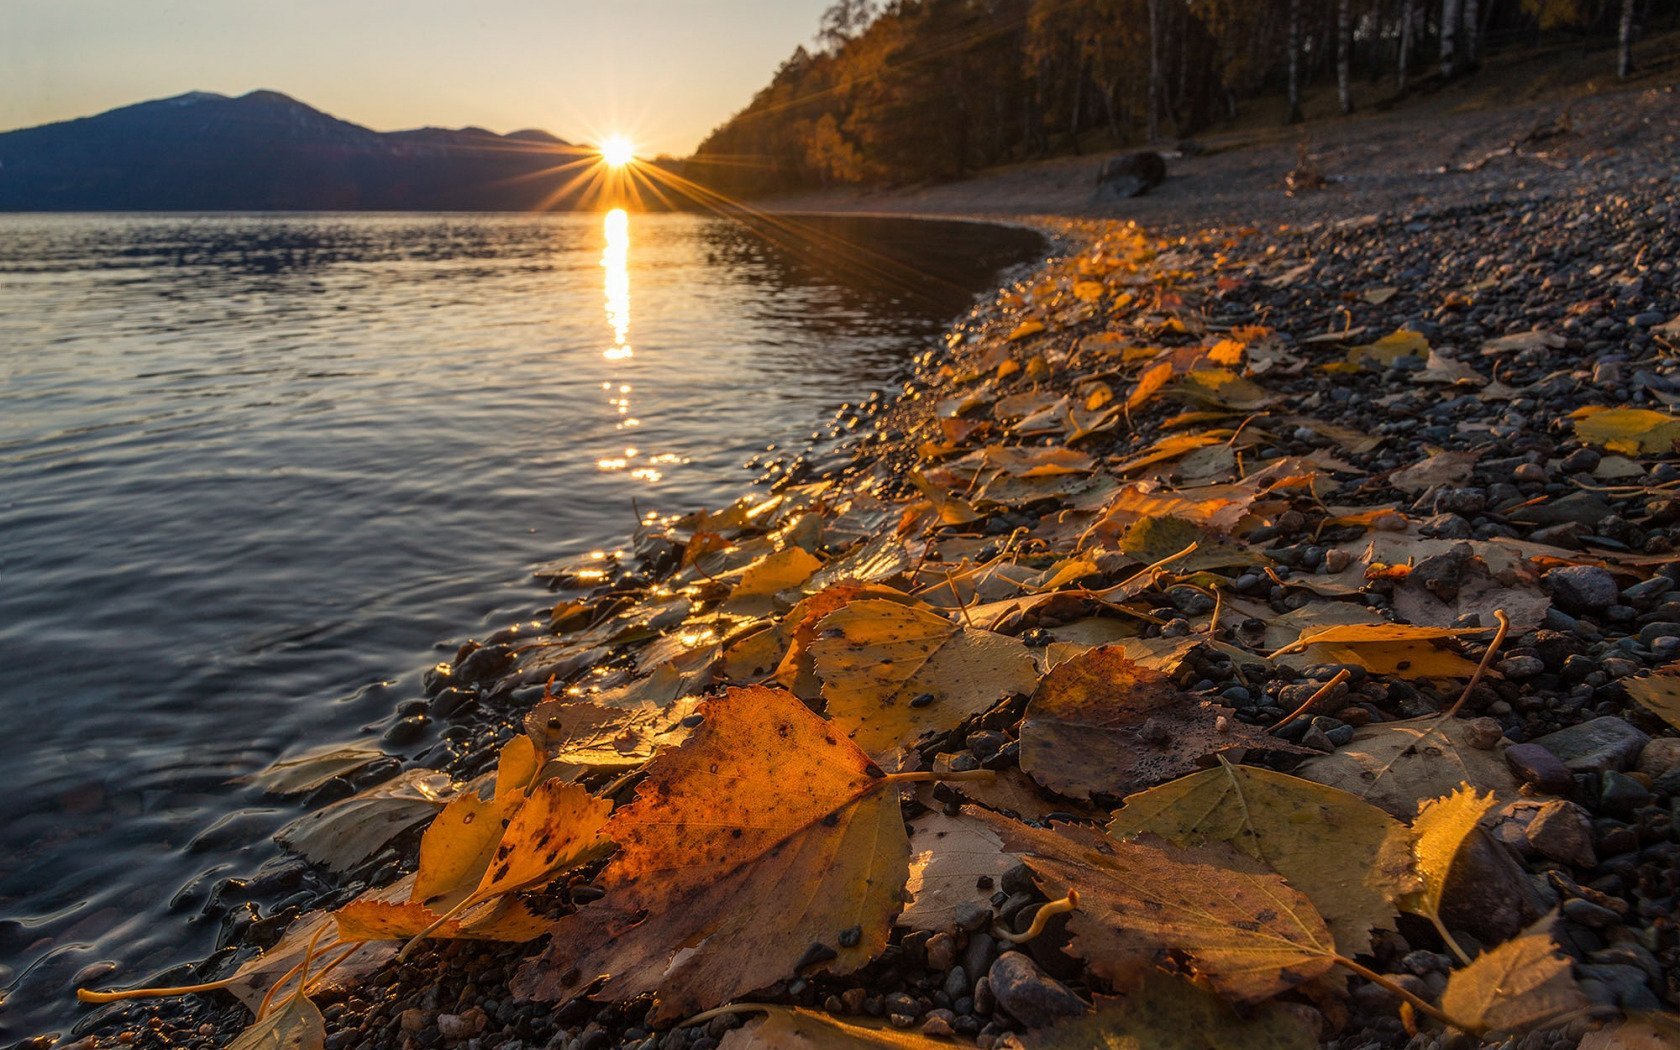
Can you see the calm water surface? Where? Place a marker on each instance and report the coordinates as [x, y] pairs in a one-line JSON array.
[[255, 470]]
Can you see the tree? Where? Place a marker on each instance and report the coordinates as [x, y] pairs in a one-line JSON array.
[[1408, 22], [1624, 42], [1294, 116], [1450, 12], [1344, 42]]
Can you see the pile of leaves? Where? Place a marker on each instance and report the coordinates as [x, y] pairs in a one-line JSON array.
[[750, 764]]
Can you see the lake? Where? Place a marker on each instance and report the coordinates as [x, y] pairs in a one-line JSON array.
[[257, 471]]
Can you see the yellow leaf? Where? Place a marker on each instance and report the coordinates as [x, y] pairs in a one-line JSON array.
[[1149, 384], [1519, 985], [504, 919], [1026, 330], [1627, 430], [892, 672], [1223, 388], [456, 849], [757, 585], [1349, 857], [1439, 831], [768, 832], [1169, 1013], [1399, 343], [1658, 692], [1088, 291]]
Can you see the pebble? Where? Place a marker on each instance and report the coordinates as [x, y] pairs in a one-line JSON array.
[[1563, 832], [1604, 743], [1582, 588], [1660, 756], [1027, 994], [1535, 765]]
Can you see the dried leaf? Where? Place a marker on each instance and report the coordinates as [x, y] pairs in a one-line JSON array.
[[1350, 858], [1438, 833], [1629, 430], [766, 834], [800, 628], [1168, 1013], [1384, 764], [1101, 724], [1640, 1031], [1658, 692], [295, 776], [592, 736], [1442, 468], [295, 1024], [1519, 985], [350, 831], [1246, 932], [880, 662], [951, 858]]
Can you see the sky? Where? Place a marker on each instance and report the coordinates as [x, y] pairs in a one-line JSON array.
[[662, 72]]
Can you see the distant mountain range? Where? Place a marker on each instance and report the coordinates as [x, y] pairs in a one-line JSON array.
[[266, 151]]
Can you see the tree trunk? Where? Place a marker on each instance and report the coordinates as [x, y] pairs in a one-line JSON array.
[[1344, 42], [1154, 101], [1450, 11], [1408, 20], [1624, 42], [1294, 116], [1472, 33]]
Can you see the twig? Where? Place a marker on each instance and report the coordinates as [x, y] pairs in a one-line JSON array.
[[927, 774]]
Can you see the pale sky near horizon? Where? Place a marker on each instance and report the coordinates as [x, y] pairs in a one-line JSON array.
[[664, 72]]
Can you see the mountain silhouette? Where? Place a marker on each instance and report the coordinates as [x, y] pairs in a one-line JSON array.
[[265, 151]]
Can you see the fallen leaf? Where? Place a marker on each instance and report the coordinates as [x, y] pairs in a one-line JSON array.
[[1101, 724], [1152, 539], [1658, 692], [1399, 343], [390, 914], [344, 834], [892, 672], [593, 736], [1443, 468], [1639, 1031], [757, 585], [1026, 329], [799, 627], [1519, 985], [1148, 385], [1534, 340], [1629, 430], [1437, 834], [1168, 1013], [1384, 765], [1349, 857], [306, 772], [766, 843], [295, 1024], [952, 860], [1246, 932]]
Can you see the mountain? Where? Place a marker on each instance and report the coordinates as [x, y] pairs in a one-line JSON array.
[[265, 151]]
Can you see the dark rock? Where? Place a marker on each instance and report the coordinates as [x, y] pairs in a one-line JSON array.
[[1593, 747], [1535, 765], [1131, 175], [1488, 893], [1620, 794], [1027, 994], [1563, 832], [1582, 588]]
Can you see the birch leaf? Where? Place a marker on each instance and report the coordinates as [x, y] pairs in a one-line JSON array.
[[793, 1028], [296, 1024], [1516, 986], [1168, 1013]]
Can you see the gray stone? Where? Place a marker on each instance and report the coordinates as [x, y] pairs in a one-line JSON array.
[[1660, 756], [956, 983], [1563, 832], [1521, 666], [1488, 893], [941, 952], [1593, 747], [1582, 588], [1027, 994]]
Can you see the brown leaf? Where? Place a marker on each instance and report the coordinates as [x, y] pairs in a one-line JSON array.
[[1244, 931], [345, 833], [1516, 986], [794, 1028], [1169, 1013], [1101, 724], [952, 861], [1397, 765], [765, 843]]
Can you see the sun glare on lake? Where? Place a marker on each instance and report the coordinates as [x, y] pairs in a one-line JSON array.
[[617, 151]]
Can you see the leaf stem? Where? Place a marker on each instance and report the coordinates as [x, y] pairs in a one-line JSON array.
[[88, 995], [1487, 658], [1318, 694], [1395, 989], [929, 774], [725, 1010], [1041, 919]]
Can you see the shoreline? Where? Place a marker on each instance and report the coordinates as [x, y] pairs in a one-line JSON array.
[[1310, 300]]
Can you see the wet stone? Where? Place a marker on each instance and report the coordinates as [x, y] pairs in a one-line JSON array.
[[1582, 588], [1027, 994]]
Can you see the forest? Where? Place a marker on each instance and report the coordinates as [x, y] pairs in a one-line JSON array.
[[924, 90]]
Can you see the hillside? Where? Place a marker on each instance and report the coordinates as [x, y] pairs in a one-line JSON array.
[[266, 151]]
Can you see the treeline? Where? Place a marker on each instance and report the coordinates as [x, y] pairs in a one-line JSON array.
[[913, 90]]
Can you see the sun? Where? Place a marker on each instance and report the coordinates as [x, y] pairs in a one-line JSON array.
[[617, 151]]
